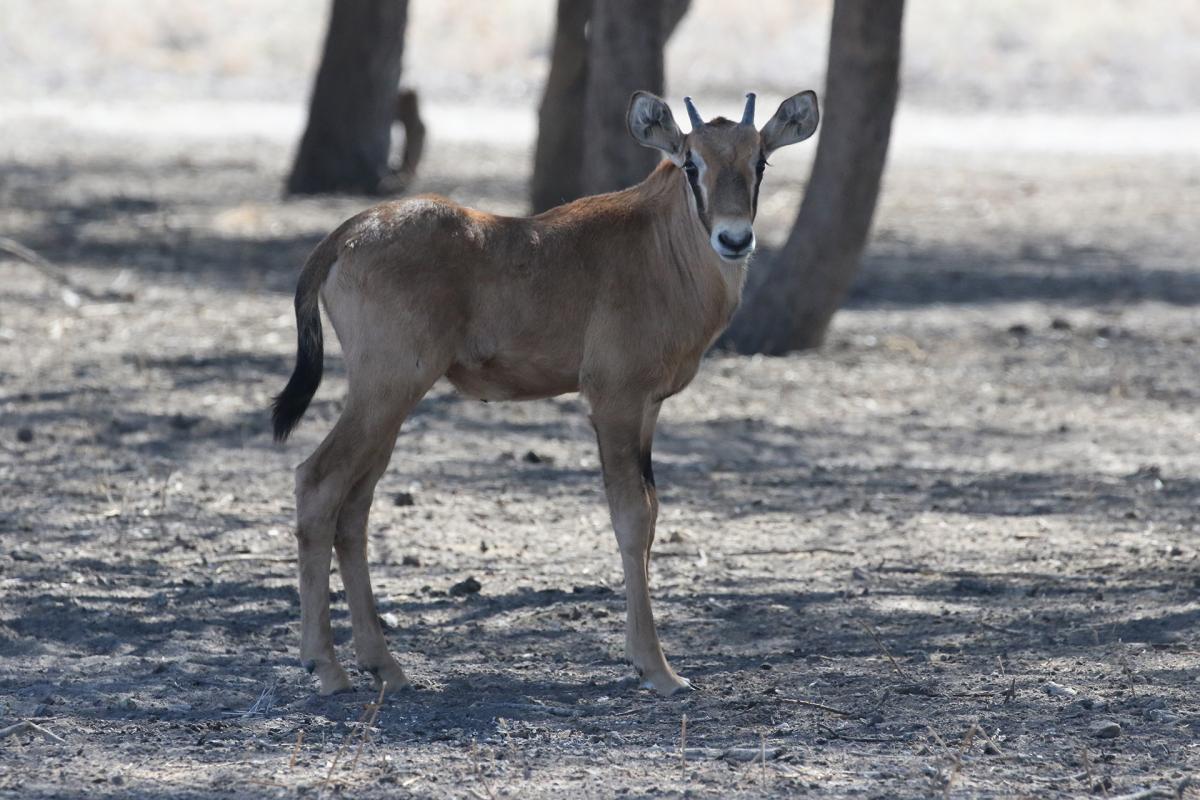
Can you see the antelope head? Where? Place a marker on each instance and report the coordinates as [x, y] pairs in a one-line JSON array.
[[721, 160]]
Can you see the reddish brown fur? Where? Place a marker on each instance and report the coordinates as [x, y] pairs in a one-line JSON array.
[[616, 296]]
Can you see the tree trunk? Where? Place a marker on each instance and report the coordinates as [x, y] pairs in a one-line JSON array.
[[345, 146], [558, 159], [791, 307], [625, 53]]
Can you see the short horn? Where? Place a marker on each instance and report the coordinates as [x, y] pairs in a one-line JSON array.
[[693, 114], [748, 113]]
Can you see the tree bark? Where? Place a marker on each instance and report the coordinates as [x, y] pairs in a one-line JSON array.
[[792, 306], [346, 143], [558, 159], [625, 53]]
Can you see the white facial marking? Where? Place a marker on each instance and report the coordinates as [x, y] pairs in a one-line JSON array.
[[698, 160]]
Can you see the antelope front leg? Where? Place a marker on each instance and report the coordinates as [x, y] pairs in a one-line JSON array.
[[633, 508]]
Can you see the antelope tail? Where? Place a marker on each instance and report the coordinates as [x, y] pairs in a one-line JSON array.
[[290, 404]]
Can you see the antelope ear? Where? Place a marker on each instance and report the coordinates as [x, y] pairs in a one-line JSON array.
[[652, 125], [795, 121]]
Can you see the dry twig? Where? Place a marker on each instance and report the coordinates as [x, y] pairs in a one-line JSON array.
[[819, 706], [33, 727], [958, 757], [71, 291], [296, 749], [883, 648], [366, 731], [839, 735], [1091, 776], [683, 742], [367, 709]]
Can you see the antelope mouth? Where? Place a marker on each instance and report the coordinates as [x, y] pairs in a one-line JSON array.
[[735, 255]]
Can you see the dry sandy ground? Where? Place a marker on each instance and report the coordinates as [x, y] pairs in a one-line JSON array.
[[954, 548]]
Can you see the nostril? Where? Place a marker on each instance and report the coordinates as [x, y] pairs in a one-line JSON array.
[[735, 243]]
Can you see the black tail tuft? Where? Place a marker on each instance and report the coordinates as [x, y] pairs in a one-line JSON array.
[[290, 404]]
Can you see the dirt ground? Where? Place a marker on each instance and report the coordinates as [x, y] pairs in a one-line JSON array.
[[954, 551], [975, 510]]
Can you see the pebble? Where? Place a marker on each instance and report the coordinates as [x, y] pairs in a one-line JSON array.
[[1058, 690], [1161, 715], [1105, 729], [750, 754], [404, 499], [25, 435], [465, 587]]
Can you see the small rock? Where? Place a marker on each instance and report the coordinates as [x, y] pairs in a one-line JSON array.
[[1020, 329], [410, 561], [1060, 324], [531, 457], [25, 435], [390, 620], [1160, 715], [404, 499], [969, 584], [127, 425], [465, 587], [1058, 690], [700, 753], [1105, 729], [594, 588], [747, 755], [181, 422]]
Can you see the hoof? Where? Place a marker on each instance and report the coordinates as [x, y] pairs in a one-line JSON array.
[[334, 680], [667, 684], [392, 674]]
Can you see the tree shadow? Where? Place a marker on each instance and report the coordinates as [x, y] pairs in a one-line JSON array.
[[123, 230]]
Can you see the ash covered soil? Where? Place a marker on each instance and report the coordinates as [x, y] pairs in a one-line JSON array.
[[956, 546]]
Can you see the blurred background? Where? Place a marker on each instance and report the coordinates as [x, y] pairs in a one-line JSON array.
[[1072, 55]]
